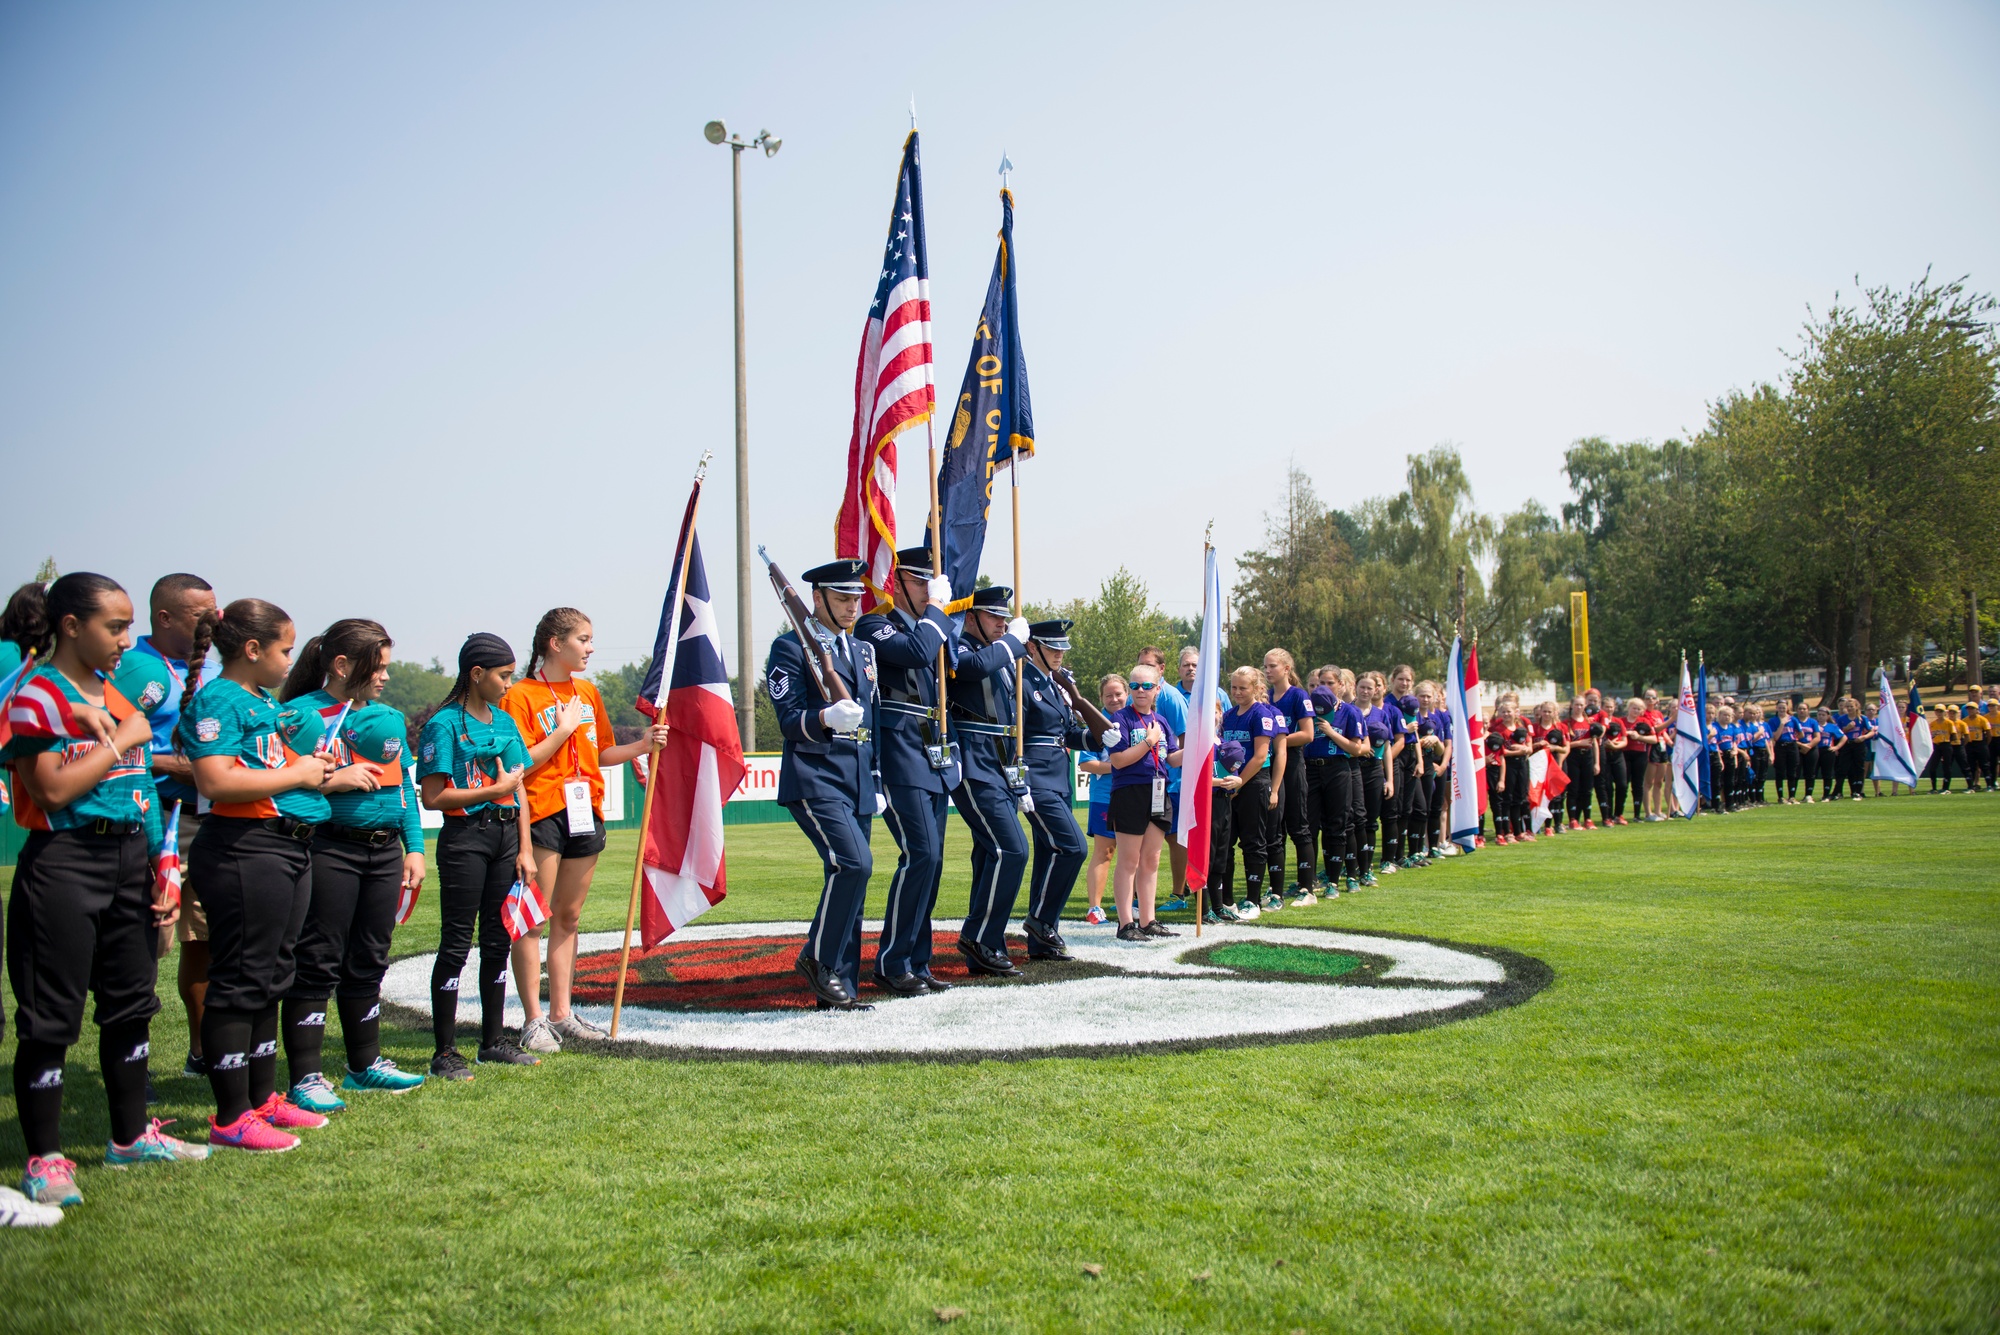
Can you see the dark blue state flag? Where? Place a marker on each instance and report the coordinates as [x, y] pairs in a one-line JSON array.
[[992, 423]]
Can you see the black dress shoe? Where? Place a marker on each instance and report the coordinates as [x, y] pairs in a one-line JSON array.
[[935, 984], [819, 1004], [1045, 942], [992, 963], [903, 985], [828, 986]]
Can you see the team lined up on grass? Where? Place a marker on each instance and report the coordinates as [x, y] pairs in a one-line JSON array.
[[296, 799]]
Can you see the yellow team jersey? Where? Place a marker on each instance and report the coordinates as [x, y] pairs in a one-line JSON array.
[[1944, 731], [1977, 728]]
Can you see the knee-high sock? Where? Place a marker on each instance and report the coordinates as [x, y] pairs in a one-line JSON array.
[[225, 1045], [38, 1091], [361, 1027], [492, 994], [305, 1036], [122, 1053], [263, 1063]]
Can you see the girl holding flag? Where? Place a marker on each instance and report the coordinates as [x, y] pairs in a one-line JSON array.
[[472, 764], [83, 915], [568, 731], [367, 859]]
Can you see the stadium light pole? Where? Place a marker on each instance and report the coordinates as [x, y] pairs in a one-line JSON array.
[[746, 705]]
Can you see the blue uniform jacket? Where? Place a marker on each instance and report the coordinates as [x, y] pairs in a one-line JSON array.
[[982, 691], [906, 648], [1052, 731], [821, 765]]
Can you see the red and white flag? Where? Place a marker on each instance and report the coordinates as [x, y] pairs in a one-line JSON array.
[[39, 709], [167, 871], [687, 687], [895, 384], [523, 910], [407, 903], [1197, 819]]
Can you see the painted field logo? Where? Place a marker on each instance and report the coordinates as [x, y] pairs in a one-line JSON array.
[[726, 990]]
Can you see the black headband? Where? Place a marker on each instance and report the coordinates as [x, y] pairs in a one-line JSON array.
[[484, 650]]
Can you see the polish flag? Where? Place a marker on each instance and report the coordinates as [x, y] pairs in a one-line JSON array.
[[1198, 746]]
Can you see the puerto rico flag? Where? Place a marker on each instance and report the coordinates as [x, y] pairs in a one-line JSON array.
[[702, 762], [38, 708], [167, 871], [895, 386], [523, 910], [1198, 747]]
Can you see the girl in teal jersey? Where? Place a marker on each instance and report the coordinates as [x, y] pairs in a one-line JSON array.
[[366, 856], [253, 861], [82, 917], [471, 763]]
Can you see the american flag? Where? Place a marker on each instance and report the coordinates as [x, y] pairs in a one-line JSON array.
[[702, 762], [894, 386], [523, 910]]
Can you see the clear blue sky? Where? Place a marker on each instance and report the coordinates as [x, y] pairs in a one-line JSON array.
[[422, 311]]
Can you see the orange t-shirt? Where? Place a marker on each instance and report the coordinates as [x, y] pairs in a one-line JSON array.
[[532, 706]]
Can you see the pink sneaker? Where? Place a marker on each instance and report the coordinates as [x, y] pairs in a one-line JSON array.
[[281, 1112], [1095, 915], [250, 1132]]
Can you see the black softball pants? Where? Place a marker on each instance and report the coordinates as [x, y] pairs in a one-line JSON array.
[[1326, 811], [1258, 831], [343, 951], [476, 868], [1291, 820]]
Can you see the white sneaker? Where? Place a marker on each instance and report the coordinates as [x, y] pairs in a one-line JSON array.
[[538, 1035], [575, 1026], [1304, 899], [17, 1211], [1387, 869], [1248, 911], [1450, 851]]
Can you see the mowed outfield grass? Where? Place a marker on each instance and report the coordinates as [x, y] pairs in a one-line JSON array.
[[1761, 1093]]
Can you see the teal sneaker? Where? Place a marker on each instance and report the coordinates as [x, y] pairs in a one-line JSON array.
[[382, 1074], [315, 1094], [1175, 905], [1368, 879], [50, 1179], [1352, 885], [153, 1147]]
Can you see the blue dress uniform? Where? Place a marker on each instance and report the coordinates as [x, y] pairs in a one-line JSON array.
[[916, 775], [828, 783], [1051, 730], [982, 719]]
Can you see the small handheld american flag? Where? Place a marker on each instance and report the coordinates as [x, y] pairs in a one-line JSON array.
[[524, 910]]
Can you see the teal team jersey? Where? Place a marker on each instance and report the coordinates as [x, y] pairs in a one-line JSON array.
[[154, 683], [471, 754], [372, 734], [124, 795], [229, 719]]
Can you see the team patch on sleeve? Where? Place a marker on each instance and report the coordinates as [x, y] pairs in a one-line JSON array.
[[207, 729], [430, 750], [149, 699]]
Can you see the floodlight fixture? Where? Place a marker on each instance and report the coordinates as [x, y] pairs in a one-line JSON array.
[[715, 132]]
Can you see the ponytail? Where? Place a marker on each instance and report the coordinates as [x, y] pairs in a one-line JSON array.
[[556, 621], [227, 630], [363, 643], [35, 613]]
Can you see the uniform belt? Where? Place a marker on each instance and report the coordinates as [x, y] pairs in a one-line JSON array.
[[491, 815], [301, 830], [982, 729], [906, 710], [1321, 760], [110, 829], [355, 834], [1044, 739]]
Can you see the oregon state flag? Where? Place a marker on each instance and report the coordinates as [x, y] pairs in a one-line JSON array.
[[992, 422]]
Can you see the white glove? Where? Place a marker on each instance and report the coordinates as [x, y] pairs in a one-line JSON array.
[[1108, 739], [1028, 803], [940, 591], [1018, 628], [881, 803], [843, 716]]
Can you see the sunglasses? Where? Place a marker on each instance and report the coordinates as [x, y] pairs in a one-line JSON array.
[[1144, 686]]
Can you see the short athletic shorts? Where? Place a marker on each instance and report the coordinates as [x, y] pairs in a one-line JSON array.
[[193, 923], [1100, 820], [1132, 810], [552, 833]]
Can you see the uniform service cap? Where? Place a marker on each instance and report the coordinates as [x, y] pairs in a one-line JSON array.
[[995, 598], [1054, 634], [915, 561], [842, 576]]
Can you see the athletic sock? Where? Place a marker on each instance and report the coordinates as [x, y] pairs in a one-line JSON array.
[[1254, 886], [444, 1009], [492, 995], [305, 1036], [122, 1052], [225, 1043], [38, 1091], [263, 1063], [361, 1027]]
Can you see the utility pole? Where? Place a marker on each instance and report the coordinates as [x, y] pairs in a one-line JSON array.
[[746, 697]]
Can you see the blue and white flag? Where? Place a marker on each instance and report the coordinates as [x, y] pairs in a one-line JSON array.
[[1894, 760], [1690, 749]]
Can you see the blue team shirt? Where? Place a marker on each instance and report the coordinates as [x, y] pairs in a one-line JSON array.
[[471, 754], [1171, 704], [1129, 722], [1244, 726], [229, 719]]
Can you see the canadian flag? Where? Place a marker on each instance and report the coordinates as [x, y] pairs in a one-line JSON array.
[[702, 761], [1198, 747]]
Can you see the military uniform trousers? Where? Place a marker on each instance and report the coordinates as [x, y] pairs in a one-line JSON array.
[[916, 820], [999, 857], [1060, 853], [839, 834]]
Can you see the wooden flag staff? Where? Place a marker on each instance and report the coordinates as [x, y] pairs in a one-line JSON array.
[[653, 755]]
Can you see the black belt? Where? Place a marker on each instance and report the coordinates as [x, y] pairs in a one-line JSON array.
[[1323, 760], [106, 828], [491, 815], [301, 830], [354, 834]]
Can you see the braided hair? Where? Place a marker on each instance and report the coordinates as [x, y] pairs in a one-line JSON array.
[[228, 630]]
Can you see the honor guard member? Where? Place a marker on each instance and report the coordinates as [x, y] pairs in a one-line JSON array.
[[917, 770], [1052, 729], [828, 780], [989, 796]]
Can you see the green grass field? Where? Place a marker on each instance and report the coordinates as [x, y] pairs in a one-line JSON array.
[[1762, 1093]]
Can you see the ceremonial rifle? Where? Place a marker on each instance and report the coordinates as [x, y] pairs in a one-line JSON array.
[[831, 687]]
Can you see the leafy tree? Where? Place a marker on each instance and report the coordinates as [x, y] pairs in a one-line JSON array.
[[1112, 627], [1301, 590], [416, 689]]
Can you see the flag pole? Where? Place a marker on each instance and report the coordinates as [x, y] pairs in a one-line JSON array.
[[653, 756], [1207, 546], [937, 567]]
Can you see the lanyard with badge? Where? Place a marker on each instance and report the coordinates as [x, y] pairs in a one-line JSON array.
[[1159, 777], [576, 792]]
